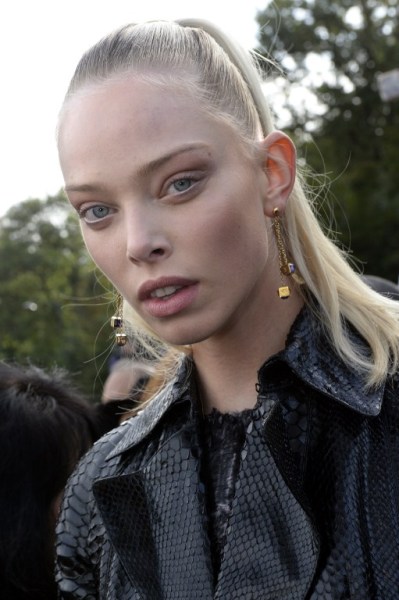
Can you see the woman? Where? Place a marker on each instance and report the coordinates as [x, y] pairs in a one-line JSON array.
[[267, 465]]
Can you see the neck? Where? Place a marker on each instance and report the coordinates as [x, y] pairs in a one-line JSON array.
[[227, 365]]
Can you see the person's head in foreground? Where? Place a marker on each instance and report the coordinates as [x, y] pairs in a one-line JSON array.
[[45, 427], [251, 474]]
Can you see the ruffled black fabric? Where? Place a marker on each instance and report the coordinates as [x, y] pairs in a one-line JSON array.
[[223, 439]]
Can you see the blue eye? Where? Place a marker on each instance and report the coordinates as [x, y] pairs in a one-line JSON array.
[[180, 189], [95, 213], [182, 185], [100, 211]]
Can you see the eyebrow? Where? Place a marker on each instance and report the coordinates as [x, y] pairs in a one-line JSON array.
[[159, 162], [144, 170]]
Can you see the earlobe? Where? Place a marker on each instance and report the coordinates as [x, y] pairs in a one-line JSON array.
[[280, 165]]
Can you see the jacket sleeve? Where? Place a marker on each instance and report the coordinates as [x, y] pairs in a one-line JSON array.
[[80, 534]]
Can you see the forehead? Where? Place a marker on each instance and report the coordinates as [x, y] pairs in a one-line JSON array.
[[127, 99], [131, 117]]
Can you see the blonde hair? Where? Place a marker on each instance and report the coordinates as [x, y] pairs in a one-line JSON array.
[[227, 81]]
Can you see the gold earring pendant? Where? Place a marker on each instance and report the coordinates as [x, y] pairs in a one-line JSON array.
[[117, 324], [286, 268]]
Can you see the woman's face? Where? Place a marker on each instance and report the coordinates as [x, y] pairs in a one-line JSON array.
[[172, 207]]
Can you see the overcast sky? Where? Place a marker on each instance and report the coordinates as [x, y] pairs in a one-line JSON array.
[[40, 44]]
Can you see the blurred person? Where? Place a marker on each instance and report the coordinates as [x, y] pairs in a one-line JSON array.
[[46, 425], [123, 392], [125, 379]]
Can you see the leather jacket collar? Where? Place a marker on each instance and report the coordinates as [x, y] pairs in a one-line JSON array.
[[311, 357], [307, 354]]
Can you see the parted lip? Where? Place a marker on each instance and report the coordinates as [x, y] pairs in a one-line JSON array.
[[149, 286]]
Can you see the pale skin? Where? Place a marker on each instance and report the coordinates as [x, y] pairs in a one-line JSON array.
[[165, 190]]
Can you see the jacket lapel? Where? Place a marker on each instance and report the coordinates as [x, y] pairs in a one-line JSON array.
[[155, 520], [272, 548], [140, 426]]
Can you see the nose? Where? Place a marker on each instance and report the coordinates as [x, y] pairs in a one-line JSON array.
[[146, 239]]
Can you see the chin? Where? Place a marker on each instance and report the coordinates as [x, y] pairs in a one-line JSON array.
[[183, 338]]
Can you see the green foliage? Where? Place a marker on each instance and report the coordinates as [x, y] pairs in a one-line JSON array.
[[345, 129], [54, 305]]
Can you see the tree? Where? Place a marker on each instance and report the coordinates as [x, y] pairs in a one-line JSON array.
[[337, 49], [54, 305]]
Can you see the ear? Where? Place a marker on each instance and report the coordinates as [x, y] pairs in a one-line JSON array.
[[279, 158]]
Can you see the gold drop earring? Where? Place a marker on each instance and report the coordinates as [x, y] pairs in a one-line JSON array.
[[117, 323], [286, 268]]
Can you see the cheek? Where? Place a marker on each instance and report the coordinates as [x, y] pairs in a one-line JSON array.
[[235, 234], [105, 252]]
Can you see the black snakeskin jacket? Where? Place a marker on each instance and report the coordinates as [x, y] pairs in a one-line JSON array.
[[315, 513]]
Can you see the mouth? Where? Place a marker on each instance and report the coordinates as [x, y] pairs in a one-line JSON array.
[[167, 296], [165, 292]]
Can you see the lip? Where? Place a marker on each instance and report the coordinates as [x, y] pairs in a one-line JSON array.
[[169, 305]]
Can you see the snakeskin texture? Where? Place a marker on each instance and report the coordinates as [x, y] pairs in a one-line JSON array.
[[315, 511]]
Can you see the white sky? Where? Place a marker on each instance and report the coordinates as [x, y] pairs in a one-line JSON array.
[[40, 44]]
